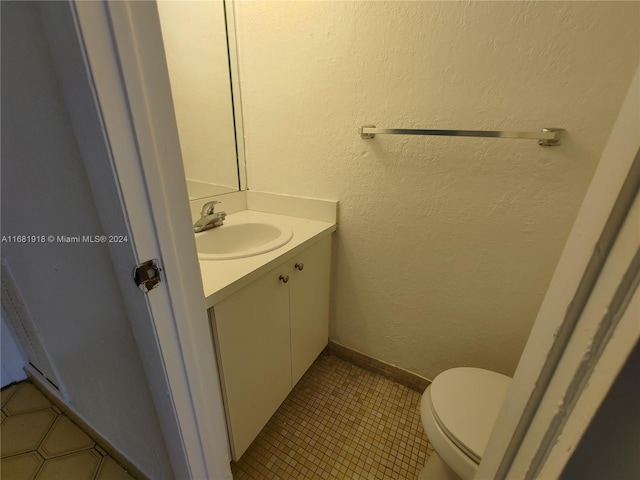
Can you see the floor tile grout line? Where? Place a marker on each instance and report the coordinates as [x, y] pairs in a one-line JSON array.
[[100, 464], [15, 386], [35, 475], [44, 437]]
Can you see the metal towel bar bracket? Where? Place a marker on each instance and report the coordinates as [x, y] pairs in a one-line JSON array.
[[548, 137]]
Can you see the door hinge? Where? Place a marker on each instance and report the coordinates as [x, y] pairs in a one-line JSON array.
[[147, 275]]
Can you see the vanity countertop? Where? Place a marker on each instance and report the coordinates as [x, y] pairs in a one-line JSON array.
[[221, 278]]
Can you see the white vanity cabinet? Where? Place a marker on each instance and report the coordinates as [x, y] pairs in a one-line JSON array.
[[267, 335]]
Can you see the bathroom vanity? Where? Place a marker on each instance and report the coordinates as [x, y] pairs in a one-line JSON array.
[[269, 316], [267, 335]]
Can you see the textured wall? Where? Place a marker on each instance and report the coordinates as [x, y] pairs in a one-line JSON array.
[[445, 245]]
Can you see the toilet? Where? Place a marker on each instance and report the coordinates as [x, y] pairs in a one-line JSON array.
[[458, 412]]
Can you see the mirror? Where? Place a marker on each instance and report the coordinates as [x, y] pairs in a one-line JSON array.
[[198, 46]]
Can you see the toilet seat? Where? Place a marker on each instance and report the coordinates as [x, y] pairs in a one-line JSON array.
[[459, 410], [442, 444]]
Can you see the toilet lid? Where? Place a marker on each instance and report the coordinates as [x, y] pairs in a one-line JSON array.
[[465, 402]]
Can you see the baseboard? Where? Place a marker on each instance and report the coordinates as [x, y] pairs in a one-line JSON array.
[[396, 374], [55, 397]]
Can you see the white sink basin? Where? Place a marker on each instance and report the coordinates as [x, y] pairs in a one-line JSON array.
[[241, 240]]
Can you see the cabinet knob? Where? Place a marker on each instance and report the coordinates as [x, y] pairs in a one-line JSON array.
[[299, 266], [284, 278]]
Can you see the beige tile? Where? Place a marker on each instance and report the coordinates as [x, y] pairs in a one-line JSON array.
[[64, 437], [24, 432], [7, 392], [340, 421], [21, 467], [77, 466], [26, 398], [31, 422], [110, 470]]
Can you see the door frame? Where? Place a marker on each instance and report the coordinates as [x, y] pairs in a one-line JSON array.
[[116, 88]]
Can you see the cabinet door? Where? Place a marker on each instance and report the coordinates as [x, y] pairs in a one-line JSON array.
[[309, 306], [251, 330]]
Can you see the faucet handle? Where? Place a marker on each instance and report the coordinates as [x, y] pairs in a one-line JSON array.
[[208, 208]]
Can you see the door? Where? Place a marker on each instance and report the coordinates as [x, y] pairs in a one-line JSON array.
[[309, 306], [253, 346], [113, 76]]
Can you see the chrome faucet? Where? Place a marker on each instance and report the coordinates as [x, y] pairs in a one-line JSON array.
[[209, 218]]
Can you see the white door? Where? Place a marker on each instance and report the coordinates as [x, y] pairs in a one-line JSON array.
[[113, 74], [253, 342]]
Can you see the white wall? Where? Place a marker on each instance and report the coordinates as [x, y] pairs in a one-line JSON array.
[[196, 47], [70, 289], [445, 245]]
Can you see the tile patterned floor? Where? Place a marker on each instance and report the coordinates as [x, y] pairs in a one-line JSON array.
[[340, 422], [40, 442]]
